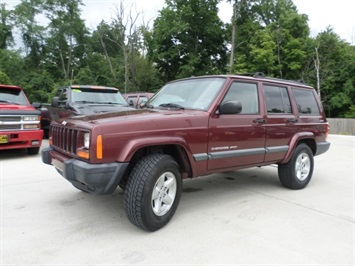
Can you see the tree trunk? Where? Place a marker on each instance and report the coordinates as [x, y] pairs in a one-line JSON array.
[[317, 66]]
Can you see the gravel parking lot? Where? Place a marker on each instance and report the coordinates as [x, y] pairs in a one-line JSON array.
[[241, 217]]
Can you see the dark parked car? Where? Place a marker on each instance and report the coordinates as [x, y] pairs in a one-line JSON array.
[[81, 100], [136, 99]]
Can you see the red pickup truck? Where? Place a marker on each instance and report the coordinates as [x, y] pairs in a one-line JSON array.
[[191, 127], [19, 121]]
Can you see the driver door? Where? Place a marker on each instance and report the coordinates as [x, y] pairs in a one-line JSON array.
[[238, 139]]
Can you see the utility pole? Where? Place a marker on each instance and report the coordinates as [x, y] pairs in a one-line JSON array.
[[234, 22], [317, 66], [132, 66]]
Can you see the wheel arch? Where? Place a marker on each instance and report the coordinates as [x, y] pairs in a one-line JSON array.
[[307, 138], [176, 148]]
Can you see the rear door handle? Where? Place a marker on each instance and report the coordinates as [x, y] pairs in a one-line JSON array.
[[292, 120]]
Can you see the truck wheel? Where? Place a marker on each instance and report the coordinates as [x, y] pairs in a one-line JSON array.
[[33, 150], [297, 173], [153, 192]]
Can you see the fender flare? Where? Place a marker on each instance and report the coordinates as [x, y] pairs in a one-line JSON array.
[[294, 141], [132, 146]]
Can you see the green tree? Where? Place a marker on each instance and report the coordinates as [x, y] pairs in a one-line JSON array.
[[270, 37], [38, 86], [32, 32], [188, 39], [4, 79], [66, 44], [12, 64], [6, 27], [336, 68]]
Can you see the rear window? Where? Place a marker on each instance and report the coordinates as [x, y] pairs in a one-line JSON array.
[[277, 100], [306, 102]]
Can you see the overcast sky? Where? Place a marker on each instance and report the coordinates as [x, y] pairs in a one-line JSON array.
[[339, 14]]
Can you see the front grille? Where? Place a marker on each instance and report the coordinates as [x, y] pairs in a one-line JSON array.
[[10, 127], [15, 122], [65, 139], [10, 118]]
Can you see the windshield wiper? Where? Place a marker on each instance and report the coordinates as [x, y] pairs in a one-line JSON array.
[[84, 102], [172, 105], [111, 103]]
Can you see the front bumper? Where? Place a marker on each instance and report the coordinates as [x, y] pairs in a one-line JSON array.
[[21, 139], [93, 178]]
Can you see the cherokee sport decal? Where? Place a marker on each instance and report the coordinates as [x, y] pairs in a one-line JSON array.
[[223, 148]]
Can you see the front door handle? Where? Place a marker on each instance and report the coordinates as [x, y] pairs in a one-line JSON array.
[[259, 121]]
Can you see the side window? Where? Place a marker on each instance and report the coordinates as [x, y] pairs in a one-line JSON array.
[[142, 99], [277, 100], [131, 99], [246, 94], [306, 102], [62, 93]]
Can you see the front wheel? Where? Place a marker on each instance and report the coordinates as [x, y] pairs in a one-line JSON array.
[[297, 173], [153, 192]]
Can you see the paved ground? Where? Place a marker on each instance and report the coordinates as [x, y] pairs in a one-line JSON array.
[[242, 217]]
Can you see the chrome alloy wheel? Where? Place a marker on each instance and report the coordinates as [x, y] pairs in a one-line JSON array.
[[303, 166], [164, 193]]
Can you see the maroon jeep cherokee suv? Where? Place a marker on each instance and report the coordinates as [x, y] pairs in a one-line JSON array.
[[191, 127]]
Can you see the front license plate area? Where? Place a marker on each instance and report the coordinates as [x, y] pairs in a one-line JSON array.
[[4, 139]]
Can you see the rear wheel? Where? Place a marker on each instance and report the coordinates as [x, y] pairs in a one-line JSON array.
[[297, 173], [153, 192]]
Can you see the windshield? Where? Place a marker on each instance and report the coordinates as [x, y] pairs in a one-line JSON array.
[[98, 96], [12, 96], [196, 93]]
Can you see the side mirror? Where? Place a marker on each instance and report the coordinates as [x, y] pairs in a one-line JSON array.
[[36, 105], [131, 103], [230, 108], [55, 102]]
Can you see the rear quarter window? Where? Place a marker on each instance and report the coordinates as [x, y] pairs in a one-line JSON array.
[[306, 102]]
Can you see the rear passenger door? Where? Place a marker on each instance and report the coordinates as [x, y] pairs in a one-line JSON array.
[[281, 122], [237, 139], [309, 111]]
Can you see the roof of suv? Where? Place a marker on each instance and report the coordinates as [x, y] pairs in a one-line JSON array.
[[260, 77]]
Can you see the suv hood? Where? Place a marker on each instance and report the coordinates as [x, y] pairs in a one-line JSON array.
[[6, 106], [140, 119]]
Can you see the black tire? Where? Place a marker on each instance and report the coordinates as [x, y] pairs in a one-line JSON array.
[[46, 133], [33, 151], [123, 182], [159, 173], [297, 173]]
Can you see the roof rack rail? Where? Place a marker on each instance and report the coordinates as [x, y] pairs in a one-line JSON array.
[[259, 74], [262, 75], [255, 75], [300, 81]]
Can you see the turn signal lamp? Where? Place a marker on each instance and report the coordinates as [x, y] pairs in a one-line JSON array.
[[83, 154], [99, 147]]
